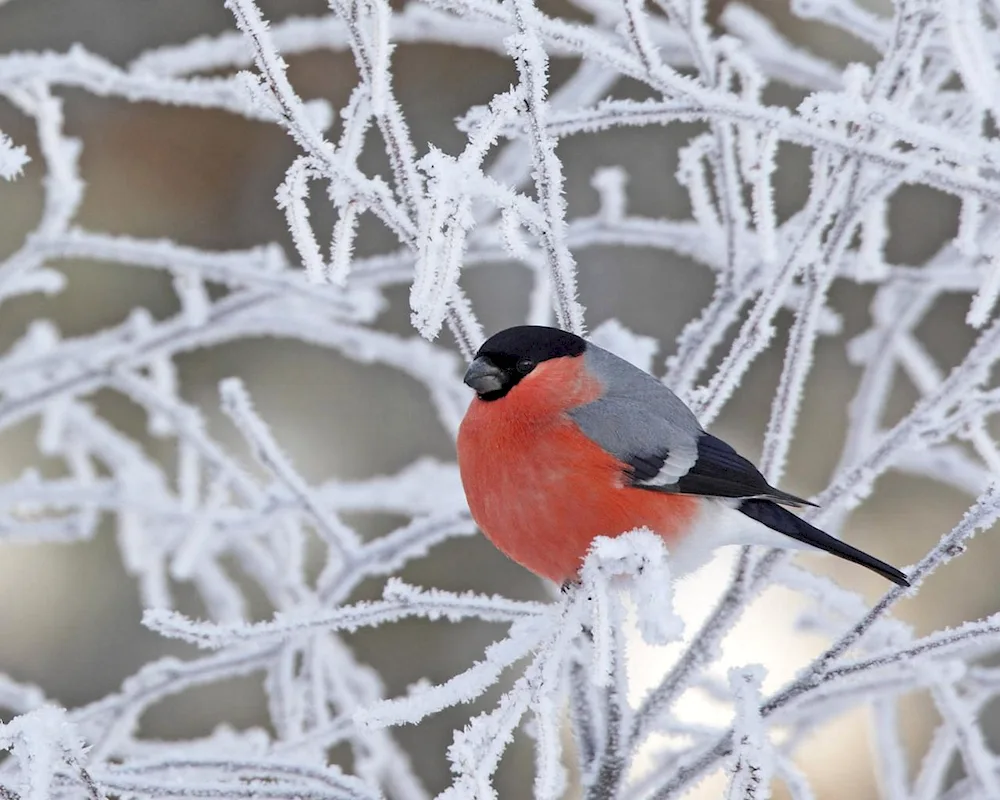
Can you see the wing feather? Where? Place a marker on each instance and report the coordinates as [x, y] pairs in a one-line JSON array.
[[720, 471], [659, 441]]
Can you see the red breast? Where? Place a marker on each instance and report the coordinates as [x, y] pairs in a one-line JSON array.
[[539, 488]]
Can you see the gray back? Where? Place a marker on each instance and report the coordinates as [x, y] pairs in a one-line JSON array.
[[638, 417]]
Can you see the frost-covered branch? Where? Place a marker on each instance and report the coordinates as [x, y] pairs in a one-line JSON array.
[[241, 536]]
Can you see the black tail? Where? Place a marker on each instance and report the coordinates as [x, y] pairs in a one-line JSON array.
[[783, 521]]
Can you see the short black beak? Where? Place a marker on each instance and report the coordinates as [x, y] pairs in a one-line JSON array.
[[484, 376]]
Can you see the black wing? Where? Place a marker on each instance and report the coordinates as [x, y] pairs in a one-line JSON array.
[[720, 471], [644, 467]]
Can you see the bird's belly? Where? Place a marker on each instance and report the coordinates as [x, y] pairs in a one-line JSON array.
[[543, 506]]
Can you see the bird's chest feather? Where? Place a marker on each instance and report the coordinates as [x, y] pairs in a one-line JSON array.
[[521, 475], [541, 490]]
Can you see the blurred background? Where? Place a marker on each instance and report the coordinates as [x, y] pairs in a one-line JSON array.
[[69, 615]]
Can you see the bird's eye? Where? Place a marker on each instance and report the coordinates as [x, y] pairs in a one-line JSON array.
[[525, 365]]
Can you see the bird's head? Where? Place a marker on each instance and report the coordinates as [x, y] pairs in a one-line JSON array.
[[509, 356]]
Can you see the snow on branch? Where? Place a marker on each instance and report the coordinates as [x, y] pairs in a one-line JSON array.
[[13, 158], [243, 538]]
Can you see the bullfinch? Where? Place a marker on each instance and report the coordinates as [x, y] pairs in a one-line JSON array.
[[565, 441]]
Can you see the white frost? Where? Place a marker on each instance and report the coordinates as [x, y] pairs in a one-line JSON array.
[[239, 535]]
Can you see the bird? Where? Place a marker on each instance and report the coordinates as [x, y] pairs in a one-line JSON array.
[[565, 441]]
